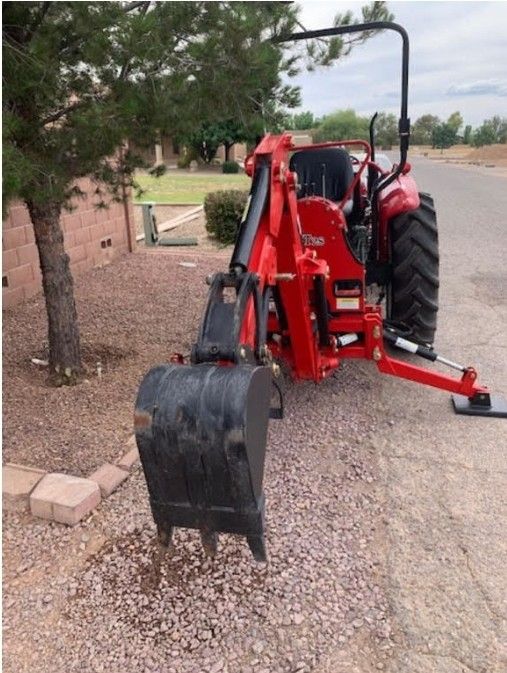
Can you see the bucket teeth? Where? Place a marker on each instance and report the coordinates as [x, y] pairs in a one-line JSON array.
[[165, 536], [257, 547], [209, 539]]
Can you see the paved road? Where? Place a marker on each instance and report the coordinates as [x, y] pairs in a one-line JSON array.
[[445, 475]]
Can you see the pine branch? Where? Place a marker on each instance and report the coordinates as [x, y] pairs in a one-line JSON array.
[[134, 5], [31, 30], [144, 8], [69, 108]]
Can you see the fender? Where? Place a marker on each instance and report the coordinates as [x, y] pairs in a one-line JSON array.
[[400, 196]]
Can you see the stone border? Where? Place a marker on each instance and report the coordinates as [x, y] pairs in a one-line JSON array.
[[62, 497]]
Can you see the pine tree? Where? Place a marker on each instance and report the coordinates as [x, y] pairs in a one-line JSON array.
[[82, 78]]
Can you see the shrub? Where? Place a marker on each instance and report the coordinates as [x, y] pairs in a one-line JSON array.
[[230, 167], [223, 211]]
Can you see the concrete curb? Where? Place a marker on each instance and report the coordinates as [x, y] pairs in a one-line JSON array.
[[60, 497]]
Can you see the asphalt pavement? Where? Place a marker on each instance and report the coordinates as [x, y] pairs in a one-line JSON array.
[[445, 475]]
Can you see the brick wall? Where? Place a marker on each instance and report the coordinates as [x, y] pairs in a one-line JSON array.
[[92, 238]]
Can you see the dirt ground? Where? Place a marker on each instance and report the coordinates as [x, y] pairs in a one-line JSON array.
[[126, 315], [491, 156]]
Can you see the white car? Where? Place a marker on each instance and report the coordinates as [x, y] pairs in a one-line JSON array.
[[382, 160]]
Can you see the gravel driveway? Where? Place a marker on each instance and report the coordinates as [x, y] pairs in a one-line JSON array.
[[99, 598]]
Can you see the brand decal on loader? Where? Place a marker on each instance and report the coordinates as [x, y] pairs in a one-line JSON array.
[[350, 303], [309, 239]]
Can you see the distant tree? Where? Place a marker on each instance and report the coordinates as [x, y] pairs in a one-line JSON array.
[[499, 125], [342, 125], [301, 121], [502, 132], [467, 135], [231, 131], [444, 135], [455, 122], [271, 118], [386, 130], [207, 138], [422, 129], [205, 141], [484, 135]]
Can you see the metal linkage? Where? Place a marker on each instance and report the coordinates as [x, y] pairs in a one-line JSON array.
[[423, 352], [478, 402], [219, 335]]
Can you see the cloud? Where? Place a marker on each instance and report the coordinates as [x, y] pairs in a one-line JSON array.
[[388, 95], [445, 73], [488, 87]]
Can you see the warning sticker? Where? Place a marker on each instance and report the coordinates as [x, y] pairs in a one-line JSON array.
[[348, 303]]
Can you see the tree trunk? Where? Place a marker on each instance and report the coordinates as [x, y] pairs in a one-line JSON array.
[[63, 332], [227, 150]]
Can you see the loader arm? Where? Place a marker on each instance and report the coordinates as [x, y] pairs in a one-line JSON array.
[[269, 251]]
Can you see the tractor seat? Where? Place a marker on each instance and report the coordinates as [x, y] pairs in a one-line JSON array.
[[324, 172]]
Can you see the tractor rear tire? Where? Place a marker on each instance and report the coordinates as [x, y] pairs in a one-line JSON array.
[[412, 295]]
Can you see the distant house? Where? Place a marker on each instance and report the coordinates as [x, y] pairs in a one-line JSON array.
[[168, 151], [302, 137]]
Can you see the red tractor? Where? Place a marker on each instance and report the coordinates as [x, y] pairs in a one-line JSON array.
[[317, 250]]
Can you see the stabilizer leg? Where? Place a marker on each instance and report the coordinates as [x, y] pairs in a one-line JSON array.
[[481, 404], [469, 398], [165, 535]]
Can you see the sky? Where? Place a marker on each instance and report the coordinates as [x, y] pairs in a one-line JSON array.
[[458, 61]]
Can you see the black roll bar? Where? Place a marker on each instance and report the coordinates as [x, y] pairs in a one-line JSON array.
[[404, 121]]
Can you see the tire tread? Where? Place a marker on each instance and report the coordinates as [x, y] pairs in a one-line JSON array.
[[415, 260]]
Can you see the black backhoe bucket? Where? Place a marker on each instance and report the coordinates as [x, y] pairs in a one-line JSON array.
[[201, 433]]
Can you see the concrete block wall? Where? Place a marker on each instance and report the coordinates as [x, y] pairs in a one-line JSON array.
[[92, 238]]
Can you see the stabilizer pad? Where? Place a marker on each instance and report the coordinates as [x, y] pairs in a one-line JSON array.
[[201, 432], [497, 406]]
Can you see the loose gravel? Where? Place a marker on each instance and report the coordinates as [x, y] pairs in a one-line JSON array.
[[101, 597]]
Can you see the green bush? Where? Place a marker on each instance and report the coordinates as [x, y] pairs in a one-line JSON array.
[[230, 167], [223, 211]]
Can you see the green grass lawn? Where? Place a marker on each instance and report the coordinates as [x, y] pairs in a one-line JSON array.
[[178, 187]]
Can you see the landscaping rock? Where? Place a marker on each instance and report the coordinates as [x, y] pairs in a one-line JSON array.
[[130, 460]]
